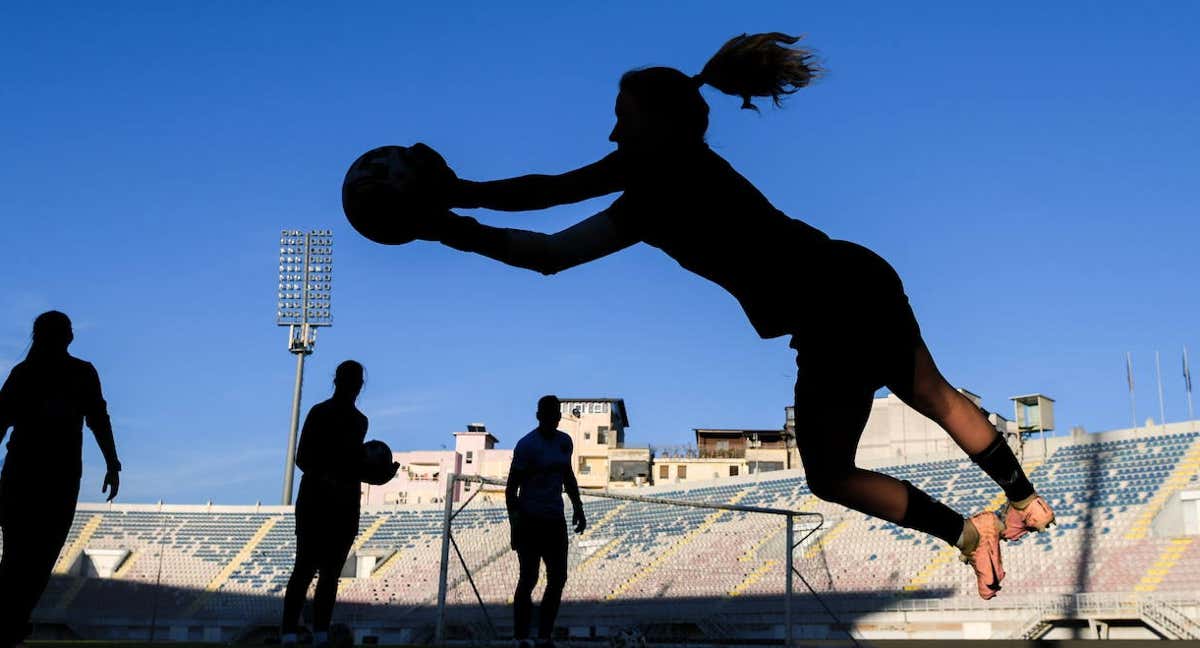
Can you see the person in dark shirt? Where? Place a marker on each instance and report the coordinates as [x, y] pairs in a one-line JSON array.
[[330, 454], [540, 470], [45, 400], [843, 305]]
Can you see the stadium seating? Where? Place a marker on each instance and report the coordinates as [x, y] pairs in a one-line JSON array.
[[234, 562]]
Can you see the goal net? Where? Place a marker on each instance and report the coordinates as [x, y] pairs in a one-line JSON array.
[[700, 563]]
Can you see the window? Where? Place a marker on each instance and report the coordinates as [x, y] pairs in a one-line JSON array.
[[602, 435], [664, 471], [733, 471], [723, 445], [681, 472], [470, 456], [587, 435]]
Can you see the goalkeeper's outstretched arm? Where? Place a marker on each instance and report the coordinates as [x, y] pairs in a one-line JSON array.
[[585, 241]]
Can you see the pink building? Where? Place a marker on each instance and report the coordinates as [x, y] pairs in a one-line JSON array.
[[421, 478]]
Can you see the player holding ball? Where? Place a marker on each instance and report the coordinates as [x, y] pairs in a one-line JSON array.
[[334, 459], [844, 306]]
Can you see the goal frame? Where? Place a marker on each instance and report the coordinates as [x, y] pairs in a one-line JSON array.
[[451, 511]]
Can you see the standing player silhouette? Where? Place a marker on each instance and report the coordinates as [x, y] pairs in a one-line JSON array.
[[45, 400], [540, 470], [844, 306], [330, 454]]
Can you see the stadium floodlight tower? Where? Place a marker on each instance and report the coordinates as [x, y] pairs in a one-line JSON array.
[[1035, 413], [305, 282]]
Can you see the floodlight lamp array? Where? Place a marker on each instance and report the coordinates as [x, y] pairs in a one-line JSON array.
[[305, 278]]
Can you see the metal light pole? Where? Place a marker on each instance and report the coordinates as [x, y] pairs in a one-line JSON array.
[[305, 281], [1162, 412], [1187, 384]]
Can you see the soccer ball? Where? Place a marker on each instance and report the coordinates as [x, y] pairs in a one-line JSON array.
[[377, 463], [388, 189]]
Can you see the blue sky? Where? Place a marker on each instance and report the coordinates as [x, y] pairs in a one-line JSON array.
[[1029, 171]]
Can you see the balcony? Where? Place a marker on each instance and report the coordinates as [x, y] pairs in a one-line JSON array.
[[730, 453]]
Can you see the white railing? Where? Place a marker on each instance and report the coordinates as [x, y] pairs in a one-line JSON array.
[[1168, 616], [1158, 610], [1031, 626], [1054, 604]]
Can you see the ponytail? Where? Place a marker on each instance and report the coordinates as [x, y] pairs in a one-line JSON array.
[[757, 65]]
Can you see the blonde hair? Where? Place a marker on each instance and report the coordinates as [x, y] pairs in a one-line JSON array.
[[758, 65], [755, 65]]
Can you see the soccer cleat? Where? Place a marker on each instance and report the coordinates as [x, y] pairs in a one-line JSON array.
[[1037, 516], [985, 559]]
